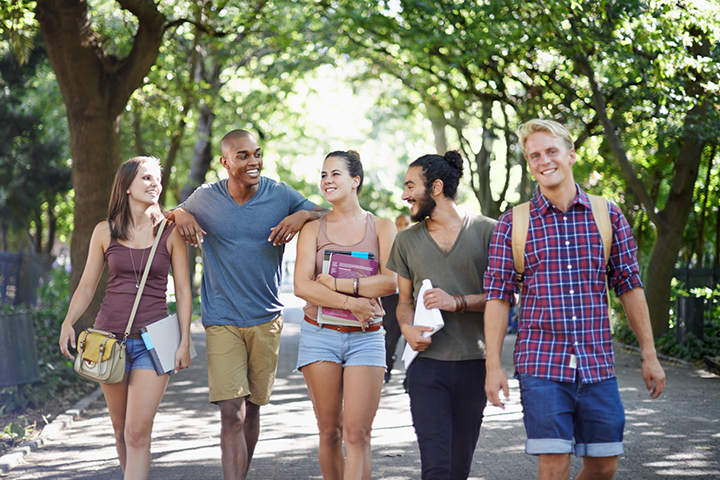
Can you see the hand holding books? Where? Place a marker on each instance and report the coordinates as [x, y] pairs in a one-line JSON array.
[[356, 309]]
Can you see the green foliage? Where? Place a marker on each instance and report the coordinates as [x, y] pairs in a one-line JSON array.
[[667, 344], [34, 174], [56, 371]]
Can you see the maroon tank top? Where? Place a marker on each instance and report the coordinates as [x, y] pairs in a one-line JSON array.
[[120, 293]]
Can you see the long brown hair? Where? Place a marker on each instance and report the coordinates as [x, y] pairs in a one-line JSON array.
[[119, 216]]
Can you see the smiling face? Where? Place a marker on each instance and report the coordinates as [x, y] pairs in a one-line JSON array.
[[335, 179], [422, 204], [550, 162], [146, 186], [242, 158]]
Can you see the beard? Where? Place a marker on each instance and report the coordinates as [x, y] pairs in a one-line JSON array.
[[426, 205]]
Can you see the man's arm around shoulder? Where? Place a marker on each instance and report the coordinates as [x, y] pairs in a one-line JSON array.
[[289, 226]]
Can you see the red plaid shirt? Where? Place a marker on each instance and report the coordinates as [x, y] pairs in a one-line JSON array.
[[563, 308]]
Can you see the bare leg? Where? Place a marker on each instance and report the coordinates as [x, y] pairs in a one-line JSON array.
[[235, 448], [251, 428], [361, 392], [324, 381], [598, 468], [116, 399], [555, 466], [145, 391]]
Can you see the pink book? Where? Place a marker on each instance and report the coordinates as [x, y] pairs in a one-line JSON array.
[[347, 266]]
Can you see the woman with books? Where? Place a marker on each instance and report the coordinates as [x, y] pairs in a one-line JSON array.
[[124, 241], [340, 272]]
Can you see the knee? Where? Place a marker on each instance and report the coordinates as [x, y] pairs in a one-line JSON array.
[[330, 434], [137, 436], [602, 468], [357, 434], [231, 417], [119, 431]]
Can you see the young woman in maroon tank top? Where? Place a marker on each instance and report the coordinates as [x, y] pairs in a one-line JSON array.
[[133, 216], [344, 366]]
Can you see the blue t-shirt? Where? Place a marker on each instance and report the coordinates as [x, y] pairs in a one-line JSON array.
[[241, 269]]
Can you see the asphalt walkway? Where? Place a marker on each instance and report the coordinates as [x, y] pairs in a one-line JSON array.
[[675, 436]]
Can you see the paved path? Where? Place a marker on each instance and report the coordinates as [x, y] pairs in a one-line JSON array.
[[676, 436]]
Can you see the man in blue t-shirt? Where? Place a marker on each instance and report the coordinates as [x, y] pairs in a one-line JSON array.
[[248, 219]]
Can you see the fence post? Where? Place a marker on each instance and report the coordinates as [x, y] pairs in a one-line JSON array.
[[690, 317]]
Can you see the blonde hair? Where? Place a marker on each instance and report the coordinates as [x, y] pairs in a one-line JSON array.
[[550, 127]]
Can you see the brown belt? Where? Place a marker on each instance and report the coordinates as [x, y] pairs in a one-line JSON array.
[[345, 328]]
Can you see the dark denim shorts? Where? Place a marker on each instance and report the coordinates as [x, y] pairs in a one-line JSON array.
[[556, 412]]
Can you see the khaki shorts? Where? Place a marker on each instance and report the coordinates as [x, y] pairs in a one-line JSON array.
[[242, 361]]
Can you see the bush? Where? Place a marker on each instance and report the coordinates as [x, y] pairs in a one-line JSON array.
[[694, 348]]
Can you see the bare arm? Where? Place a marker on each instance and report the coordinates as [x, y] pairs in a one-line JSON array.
[[636, 309], [384, 283], [86, 288], [314, 292], [438, 298], [284, 231], [187, 226], [496, 322], [183, 296], [405, 313]]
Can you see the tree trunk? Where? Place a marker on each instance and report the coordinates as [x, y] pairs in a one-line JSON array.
[[95, 88], [675, 216], [438, 122], [700, 243], [202, 153], [671, 221]]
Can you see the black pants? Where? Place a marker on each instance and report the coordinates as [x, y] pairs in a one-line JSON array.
[[392, 329], [447, 400]]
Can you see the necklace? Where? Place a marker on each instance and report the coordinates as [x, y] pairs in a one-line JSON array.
[[138, 273]]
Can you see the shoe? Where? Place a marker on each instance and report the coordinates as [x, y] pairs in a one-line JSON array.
[[405, 384], [387, 376], [713, 364]]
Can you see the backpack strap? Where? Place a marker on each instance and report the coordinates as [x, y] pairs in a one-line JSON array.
[[601, 214], [520, 226]]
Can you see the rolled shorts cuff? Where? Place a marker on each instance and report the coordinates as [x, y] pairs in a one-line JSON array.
[[599, 449], [541, 446]]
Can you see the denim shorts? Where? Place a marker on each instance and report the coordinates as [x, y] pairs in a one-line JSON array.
[[555, 412], [318, 344], [138, 356]]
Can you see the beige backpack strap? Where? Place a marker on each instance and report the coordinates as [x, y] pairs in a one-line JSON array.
[[520, 225], [601, 214], [602, 220]]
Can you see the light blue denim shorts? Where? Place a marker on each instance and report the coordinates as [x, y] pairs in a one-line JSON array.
[[318, 344], [138, 356]]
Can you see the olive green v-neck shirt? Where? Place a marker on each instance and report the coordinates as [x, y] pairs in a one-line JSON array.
[[416, 256]]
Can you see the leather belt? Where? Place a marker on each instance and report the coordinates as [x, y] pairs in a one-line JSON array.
[[345, 328]]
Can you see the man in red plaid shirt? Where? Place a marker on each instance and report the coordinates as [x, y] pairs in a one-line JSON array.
[[564, 358]]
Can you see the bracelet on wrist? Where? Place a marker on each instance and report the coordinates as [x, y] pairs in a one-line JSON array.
[[463, 304], [336, 284], [346, 306], [356, 286]]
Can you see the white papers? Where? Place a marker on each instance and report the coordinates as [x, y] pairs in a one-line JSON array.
[[162, 340], [425, 318]]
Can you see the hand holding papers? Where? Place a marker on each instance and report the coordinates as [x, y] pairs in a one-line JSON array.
[[424, 318]]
